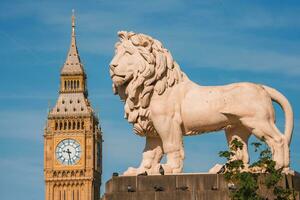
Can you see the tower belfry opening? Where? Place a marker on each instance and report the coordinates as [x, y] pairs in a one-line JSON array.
[[73, 76], [72, 138]]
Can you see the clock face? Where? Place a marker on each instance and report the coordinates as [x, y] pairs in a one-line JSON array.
[[68, 152]]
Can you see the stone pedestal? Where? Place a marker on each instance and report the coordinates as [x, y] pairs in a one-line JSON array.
[[178, 187]]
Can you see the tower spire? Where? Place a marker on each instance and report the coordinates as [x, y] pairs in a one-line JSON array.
[[71, 126], [73, 64]]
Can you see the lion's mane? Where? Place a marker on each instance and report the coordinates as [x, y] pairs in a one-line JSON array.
[[156, 73]]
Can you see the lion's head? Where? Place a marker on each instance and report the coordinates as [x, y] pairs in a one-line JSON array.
[[140, 67]]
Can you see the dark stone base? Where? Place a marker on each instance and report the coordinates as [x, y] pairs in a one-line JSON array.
[[180, 187]]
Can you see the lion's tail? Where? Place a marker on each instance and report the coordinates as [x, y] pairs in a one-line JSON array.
[[287, 108]]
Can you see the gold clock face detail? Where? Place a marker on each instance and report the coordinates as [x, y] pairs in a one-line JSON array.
[[68, 152]]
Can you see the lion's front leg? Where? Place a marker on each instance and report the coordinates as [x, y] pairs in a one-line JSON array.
[[170, 132], [151, 158]]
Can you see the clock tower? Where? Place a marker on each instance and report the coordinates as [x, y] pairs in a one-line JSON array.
[[72, 138]]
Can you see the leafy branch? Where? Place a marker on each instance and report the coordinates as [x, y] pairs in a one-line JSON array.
[[245, 178]]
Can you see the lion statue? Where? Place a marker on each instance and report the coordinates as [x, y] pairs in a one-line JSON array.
[[163, 105]]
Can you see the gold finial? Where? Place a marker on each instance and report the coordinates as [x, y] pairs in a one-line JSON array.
[[73, 17], [73, 22]]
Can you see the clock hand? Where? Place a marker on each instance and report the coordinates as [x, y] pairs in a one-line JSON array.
[[69, 153]]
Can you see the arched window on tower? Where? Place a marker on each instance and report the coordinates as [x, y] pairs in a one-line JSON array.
[[74, 125], [82, 125], [65, 125], [60, 126], [78, 125], [77, 83], [71, 85], [65, 85], [69, 127], [68, 85], [56, 125]]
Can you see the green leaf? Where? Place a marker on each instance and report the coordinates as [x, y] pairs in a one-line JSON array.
[[236, 144], [225, 154]]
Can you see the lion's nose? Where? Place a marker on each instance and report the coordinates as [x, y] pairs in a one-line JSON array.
[[112, 69], [112, 66]]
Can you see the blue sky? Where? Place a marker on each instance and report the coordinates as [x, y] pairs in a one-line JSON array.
[[215, 42]]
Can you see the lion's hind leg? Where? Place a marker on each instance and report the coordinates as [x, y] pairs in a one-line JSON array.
[[241, 133], [152, 156], [275, 140]]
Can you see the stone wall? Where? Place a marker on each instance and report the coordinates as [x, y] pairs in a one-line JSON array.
[[178, 187]]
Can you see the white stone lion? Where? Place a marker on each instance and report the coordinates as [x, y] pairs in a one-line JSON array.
[[163, 105]]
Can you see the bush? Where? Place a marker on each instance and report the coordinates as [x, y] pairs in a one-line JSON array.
[[247, 180]]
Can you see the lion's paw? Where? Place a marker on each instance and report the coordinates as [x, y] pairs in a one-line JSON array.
[[168, 169], [131, 171], [288, 171], [216, 169]]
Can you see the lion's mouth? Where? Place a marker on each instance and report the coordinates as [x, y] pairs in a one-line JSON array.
[[119, 75], [120, 79]]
